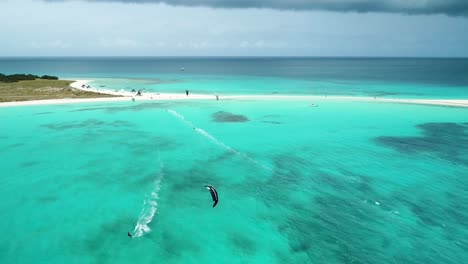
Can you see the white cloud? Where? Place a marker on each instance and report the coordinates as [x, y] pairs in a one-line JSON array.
[[120, 43], [83, 28], [55, 44]]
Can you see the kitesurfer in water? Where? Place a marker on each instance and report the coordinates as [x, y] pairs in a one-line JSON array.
[[129, 235]]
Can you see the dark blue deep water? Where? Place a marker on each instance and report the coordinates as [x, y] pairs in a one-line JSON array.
[[453, 72], [381, 77]]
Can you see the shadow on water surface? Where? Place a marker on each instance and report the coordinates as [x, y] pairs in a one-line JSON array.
[[272, 122], [312, 209], [27, 164], [47, 199], [332, 221], [332, 215], [43, 113], [243, 243], [99, 244], [89, 123], [15, 145], [175, 244], [135, 106], [448, 141], [439, 205], [271, 119], [226, 117], [143, 143]]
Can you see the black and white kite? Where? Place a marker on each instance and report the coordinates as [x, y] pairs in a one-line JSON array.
[[214, 194]]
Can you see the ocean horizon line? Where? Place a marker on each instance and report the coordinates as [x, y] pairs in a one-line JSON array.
[[231, 57]]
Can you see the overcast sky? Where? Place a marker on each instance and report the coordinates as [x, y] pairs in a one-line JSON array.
[[421, 28]]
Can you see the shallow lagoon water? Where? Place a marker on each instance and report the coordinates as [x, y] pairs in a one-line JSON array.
[[343, 182], [380, 77], [267, 85]]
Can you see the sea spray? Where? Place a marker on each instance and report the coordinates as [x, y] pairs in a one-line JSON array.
[[150, 206]]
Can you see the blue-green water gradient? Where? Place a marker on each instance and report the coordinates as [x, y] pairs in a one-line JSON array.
[[340, 183]]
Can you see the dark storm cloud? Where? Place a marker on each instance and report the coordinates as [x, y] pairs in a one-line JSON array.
[[448, 7]]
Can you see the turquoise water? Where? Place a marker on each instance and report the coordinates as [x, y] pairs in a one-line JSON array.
[[232, 85], [380, 77], [343, 182]]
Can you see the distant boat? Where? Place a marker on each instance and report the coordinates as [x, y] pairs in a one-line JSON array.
[[182, 69]]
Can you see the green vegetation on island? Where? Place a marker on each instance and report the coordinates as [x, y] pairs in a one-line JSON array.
[[24, 77], [41, 89]]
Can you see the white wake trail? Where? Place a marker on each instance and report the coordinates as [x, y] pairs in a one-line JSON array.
[[150, 206], [180, 117], [216, 141]]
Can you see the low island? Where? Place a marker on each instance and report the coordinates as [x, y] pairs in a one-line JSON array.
[[27, 87]]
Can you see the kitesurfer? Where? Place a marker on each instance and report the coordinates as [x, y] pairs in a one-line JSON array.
[[129, 235]]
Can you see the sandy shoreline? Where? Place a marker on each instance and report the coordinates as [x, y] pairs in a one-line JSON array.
[[147, 96]]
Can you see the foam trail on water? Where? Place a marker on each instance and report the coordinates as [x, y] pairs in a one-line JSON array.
[[150, 206], [228, 148], [202, 132], [215, 140], [180, 117]]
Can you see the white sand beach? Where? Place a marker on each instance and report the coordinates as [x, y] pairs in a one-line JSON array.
[[440, 102], [147, 96]]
